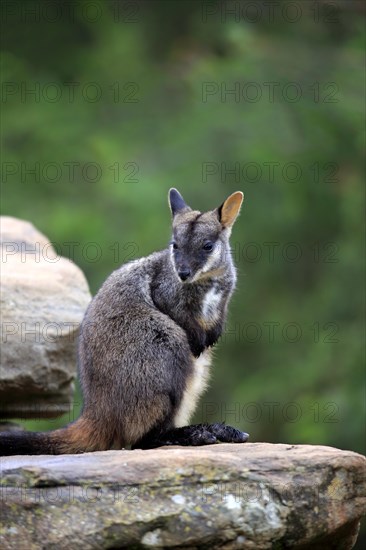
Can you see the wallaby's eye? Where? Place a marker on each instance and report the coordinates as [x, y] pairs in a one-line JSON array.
[[208, 246], [174, 245]]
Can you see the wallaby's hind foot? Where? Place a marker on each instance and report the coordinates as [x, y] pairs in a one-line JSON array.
[[227, 434], [198, 434]]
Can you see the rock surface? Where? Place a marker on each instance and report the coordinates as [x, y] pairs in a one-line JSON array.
[[43, 300], [251, 496]]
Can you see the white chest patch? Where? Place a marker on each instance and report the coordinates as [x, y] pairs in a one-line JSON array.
[[195, 387], [211, 306]]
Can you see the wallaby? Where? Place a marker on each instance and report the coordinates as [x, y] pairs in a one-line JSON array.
[[145, 343]]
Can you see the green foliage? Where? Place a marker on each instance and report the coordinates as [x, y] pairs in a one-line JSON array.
[[155, 123]]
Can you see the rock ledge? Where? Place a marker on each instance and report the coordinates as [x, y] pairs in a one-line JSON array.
[[251, 496]]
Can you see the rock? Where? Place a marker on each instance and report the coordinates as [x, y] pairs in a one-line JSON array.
[[7, 426], [250, 496], [43, 300]]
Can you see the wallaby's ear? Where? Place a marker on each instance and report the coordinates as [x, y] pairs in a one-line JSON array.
[[229, 210], [176, 201]]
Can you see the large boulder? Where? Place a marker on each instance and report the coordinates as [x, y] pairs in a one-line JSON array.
[[43, 300], [250, 496]]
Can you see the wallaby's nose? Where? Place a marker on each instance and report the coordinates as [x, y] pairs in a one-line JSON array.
[[184, 274]]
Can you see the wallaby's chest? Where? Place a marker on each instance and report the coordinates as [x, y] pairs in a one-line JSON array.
[[211, 306], [198, 308], [195, 386]]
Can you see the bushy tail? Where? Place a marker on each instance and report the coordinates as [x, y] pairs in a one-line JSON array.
[[81, 436]]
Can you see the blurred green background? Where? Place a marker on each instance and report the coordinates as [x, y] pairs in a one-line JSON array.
[[131, 98]]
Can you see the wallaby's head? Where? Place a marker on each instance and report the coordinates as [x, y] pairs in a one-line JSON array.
[[200, 244]]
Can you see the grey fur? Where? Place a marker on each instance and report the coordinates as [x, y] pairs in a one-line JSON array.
[[144, 328]]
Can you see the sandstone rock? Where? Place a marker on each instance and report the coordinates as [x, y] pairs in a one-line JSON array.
[[43, 299], [251, 496]]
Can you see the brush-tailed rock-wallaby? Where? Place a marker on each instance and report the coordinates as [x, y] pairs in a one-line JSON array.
[[145, 343]]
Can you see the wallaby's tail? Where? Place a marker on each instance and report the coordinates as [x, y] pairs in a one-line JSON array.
[[81, 436]]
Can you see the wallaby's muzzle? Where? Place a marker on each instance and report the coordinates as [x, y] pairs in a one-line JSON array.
[[184, 274]]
